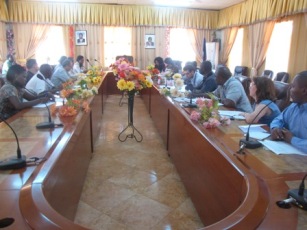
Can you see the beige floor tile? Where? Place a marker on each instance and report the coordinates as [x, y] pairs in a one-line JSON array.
[[140, 212], [131, 185]]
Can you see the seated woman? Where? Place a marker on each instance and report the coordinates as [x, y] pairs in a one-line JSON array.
[[159, 64], [262, 90], [13, 92]]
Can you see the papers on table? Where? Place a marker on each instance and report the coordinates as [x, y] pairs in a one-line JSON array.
[[255, 131], [281, 147], [232, 114], [58, 102], [184, 100]]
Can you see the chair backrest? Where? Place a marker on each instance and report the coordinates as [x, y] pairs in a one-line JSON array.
[[267, 73], [282, 76], [282, 91], [240, 70], [245, 83], [129, 58]]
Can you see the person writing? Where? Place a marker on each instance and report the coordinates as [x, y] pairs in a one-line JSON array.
[[262, 90], [193, 78], [230, 91], [13, 92], [291, 125]]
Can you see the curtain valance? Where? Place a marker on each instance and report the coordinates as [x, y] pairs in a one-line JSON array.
[[252, 11], [110, 15]]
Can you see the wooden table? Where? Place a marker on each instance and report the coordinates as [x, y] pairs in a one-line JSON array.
[[46, 196], [229, 190]]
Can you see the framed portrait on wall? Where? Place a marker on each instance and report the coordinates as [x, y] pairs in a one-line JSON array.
[[80, 38], [150, 41]]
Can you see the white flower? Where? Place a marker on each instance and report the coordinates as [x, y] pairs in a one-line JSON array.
[[179, 82], [177, 76], [148, 78], [175, 92]]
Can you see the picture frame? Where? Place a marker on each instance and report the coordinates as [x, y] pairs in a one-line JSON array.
[[150, 41], [81, 37]]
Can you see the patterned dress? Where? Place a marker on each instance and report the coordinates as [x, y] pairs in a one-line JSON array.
[[6, 108]]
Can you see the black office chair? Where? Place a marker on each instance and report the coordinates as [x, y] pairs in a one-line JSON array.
[[282, 76], [282, 91], [267, 73], [240, 71]]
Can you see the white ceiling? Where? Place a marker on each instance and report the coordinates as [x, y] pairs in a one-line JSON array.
[[196, 4]]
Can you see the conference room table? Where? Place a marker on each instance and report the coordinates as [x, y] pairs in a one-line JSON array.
[[228, 190]]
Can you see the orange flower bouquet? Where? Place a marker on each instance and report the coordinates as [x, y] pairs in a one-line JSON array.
[[129, 77]]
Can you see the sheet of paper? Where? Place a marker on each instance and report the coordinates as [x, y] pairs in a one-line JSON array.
[[281, 147], [231, 113], [255, 131]]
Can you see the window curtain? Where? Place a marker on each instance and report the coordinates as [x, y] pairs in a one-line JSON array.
[[259, 39], [95, 45], [228, 38], [197, 39], [3, 48], [68, 32], [298, 48], [27, 38], [145, 56]]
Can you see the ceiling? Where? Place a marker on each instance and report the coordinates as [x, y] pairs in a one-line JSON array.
[[196, 4]]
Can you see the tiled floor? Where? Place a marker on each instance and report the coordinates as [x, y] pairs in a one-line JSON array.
[[133, 185]]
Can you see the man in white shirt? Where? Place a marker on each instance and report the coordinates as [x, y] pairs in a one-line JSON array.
[[44, 84]]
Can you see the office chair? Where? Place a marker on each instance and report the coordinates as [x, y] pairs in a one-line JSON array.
[[267, 73], [282, 76]]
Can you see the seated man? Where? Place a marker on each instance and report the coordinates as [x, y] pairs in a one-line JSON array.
[[208, 83], [291, 124], [193, 78], [40, 82], [32, 68], [61, 75], [230, 91]]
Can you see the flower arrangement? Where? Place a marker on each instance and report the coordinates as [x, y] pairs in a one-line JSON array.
[[172, 92], [153, 71], [207, 113], [129, 77], [75, 95]]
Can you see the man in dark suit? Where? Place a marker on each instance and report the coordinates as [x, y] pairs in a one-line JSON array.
[[81, 39]]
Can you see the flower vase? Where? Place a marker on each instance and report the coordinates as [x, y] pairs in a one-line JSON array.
[[130, 125]]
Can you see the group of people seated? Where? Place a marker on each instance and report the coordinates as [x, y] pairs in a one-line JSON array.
[[289, 125], [34, 84]]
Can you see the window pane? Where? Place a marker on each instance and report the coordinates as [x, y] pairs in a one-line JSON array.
[[117, 41], [236, 53], [52, 48], [277, 57], [180, 46]]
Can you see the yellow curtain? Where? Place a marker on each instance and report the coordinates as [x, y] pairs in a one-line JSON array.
[[197, 39], [259, 39], [95, 45], [66, 36], [3, 48], [252, 11], [27, 38], [298, 48], [123, 15], [144, 56], [4, 16], [228, 38]]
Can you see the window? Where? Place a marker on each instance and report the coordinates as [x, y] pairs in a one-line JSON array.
[[180, 46], [52, 48], [277, 57], [236, 53], [117, 42]]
